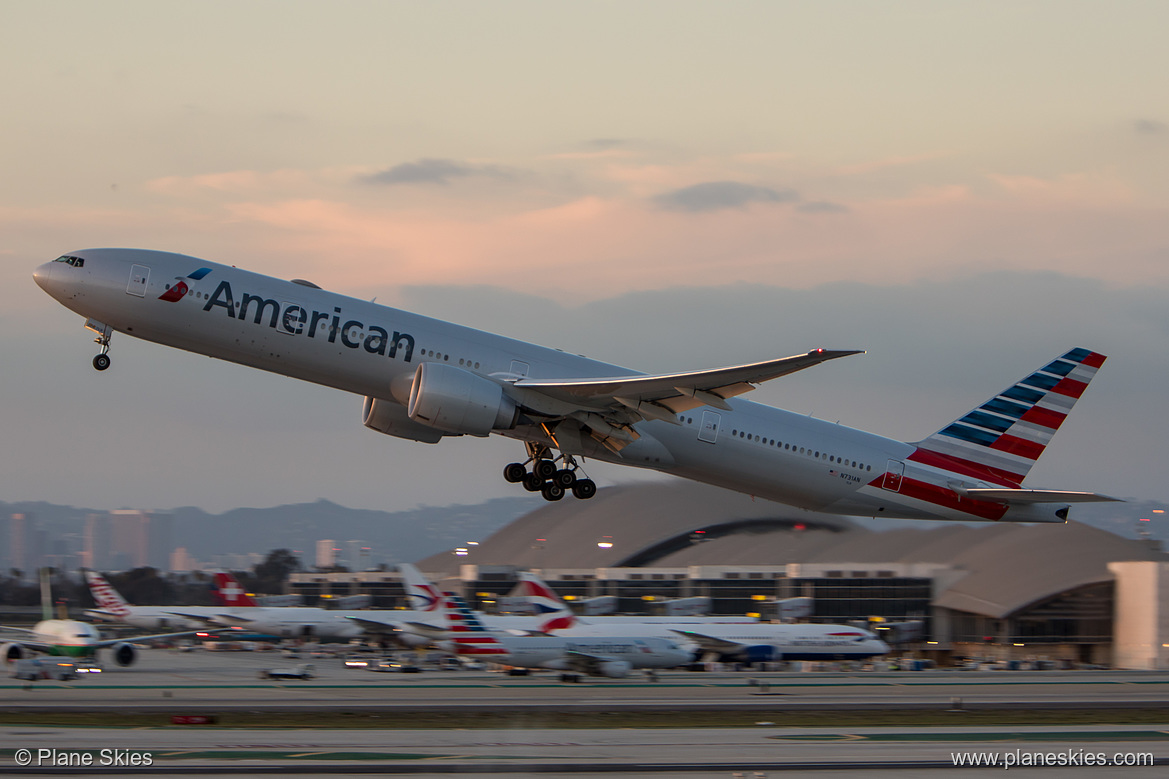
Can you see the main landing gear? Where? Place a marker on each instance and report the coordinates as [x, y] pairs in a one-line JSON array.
[[546, 478]]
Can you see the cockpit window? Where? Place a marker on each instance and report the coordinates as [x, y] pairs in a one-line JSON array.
[[76, 262]]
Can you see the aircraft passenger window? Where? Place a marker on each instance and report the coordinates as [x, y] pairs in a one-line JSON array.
[[756, 439], [476, 365]]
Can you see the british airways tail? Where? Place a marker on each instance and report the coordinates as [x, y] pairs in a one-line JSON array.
[[998, 442], [550, 608], [421, 593]]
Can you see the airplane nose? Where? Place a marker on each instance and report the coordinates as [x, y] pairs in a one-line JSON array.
[[43, 276]]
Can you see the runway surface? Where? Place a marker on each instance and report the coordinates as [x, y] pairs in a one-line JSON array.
[[172, 682], [205, 680]]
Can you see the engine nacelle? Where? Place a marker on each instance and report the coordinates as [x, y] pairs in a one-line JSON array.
[[459, 402], [762, 653], [615, 669], [10, 653], [386, 416], [124, 654]]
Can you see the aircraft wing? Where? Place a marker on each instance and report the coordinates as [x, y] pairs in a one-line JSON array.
[[134, 639], [586, 663], [710, 643], [208, 621], [376, 626], [11, 629], [676, 392], [1037, 496]]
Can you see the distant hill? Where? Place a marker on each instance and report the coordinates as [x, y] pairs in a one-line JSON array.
[[413, 534], [394, 536]]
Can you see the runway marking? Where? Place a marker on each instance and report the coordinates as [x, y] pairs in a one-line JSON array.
[[1011, 736]]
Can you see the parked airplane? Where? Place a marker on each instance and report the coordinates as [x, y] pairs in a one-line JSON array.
[[545, 600], [612, 656], [70, 638], [112, 607], [424, 379], [730, 641]]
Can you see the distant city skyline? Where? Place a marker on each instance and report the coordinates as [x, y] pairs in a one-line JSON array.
[[962, 190]]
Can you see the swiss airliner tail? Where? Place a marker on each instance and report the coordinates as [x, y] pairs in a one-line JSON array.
[[230, 592], [999, 441]]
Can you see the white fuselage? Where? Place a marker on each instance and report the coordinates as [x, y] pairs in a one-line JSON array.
[[803, 641], [555, 652], [368, 349]]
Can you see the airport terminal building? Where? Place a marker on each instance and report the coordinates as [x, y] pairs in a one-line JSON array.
[[1062, 592]]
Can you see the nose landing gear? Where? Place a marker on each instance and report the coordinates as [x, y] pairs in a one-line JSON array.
[[104, 331], [544, 477]]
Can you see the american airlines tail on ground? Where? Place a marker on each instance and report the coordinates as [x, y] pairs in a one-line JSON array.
[[424, 379]]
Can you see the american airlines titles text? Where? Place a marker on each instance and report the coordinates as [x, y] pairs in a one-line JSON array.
[[295, 319]]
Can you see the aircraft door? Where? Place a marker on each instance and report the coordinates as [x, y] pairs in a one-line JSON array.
[[893, 474], [709, 430], [519, 369], [139, 278]]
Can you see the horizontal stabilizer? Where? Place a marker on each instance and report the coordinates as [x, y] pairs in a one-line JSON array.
[[1037, 496]]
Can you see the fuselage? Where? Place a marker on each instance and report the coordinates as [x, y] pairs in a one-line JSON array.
[[556, 652], [360, 347], [67, 637]]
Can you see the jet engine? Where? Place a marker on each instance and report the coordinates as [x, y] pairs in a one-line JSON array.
[[124, 654], [761, 653], [459, 402], [615, 669], [10, 653], [386, 416]]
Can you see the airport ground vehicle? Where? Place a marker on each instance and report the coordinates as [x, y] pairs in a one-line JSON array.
[[304, 671]]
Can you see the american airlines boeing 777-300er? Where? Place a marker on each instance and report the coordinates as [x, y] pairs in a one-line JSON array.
[[424, 379]]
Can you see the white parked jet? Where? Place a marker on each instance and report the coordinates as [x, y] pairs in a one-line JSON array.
[[612, 656], [737, 642], [424, 379]]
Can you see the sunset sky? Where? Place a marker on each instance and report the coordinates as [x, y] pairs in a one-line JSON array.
[[964, 190]]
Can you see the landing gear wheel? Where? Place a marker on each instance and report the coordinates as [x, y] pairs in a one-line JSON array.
[[533, 483], [101, 362], [552, 491], [584, 489], [515, 473], [565, 478], [544, 469]]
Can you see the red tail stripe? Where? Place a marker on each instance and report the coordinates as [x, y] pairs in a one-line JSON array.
[[1070, 387], [965, 467], [1093, 360], [1019, 446], [947, 498], [1045, 417]]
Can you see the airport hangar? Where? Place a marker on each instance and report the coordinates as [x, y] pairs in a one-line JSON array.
[[1066, 592]]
